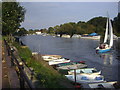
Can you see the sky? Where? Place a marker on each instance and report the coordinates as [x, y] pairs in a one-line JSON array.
[[40, 15]]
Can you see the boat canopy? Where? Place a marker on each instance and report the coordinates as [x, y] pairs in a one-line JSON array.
[[93, 34]]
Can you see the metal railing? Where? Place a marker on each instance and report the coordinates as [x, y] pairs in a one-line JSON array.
[[20, 65]]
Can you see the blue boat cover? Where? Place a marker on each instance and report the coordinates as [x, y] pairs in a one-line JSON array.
[[93, 34]]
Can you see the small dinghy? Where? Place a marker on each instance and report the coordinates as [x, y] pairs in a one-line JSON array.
[[86, 78], [51, 57], [58, 61], [103, 85], [70, 65]]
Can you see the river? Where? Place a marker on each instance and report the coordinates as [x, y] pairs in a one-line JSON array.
[[78, 50]]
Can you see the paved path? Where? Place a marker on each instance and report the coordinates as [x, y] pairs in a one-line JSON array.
[[0, 64], [5, 81], [9, 75]]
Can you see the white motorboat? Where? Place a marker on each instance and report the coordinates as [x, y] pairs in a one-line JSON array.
[[94, 36], [91, 37], [85, 70], [86, 78]]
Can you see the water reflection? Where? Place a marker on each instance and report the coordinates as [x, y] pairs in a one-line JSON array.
[[107, 58]]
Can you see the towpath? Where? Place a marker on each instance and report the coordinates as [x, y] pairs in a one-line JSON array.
[[9, 75]]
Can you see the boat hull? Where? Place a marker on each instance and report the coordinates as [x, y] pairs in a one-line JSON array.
[[67, 67], [54, 62], [91, 37], [104, 84], [85, 70], [103, 50], [85, 78]]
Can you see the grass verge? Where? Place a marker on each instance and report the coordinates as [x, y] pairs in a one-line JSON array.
[[48, 77]]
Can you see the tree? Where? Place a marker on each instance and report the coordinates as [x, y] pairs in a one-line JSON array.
[[56, 29], [116, 24], [12, 16], [99, 23], [84, 28], [51, 30], [20, 32], [43, 30]]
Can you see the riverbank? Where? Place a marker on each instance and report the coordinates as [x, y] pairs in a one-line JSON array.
[[47, 76]]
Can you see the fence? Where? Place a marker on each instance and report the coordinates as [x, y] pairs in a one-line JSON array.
[[22, 69]]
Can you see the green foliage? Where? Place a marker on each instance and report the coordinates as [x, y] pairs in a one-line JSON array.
[[21, 32], [96, 24], [99, 23], [116, 24], [44, 30], [12, 16], [51, 30], [47, 76]]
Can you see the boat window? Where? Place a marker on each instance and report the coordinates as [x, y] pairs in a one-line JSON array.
[[100, 86], [98, 78], [81, 72], [84, 78], [94, 71]]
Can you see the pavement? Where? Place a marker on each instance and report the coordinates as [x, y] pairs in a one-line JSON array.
[[9, 76], [0, 64]]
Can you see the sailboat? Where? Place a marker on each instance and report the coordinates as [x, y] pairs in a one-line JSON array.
[[106, 46]]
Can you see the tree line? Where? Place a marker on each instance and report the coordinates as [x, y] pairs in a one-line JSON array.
[[97, 25], [13, 14]]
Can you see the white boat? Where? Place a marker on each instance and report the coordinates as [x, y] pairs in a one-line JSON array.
[[86, 78], [51, 57], [76, 36], [67, 67], [109, 85], [61, 60], [85, 70], [65, 36], [34, 53], [91, 37], [106, 46], [94, 36]]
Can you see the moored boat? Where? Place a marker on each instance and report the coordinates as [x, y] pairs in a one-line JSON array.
[[91, 36], [70, 65], [51, 57], [108, 85], [86, 78], [85, 70], [106, 46], [61, 60]]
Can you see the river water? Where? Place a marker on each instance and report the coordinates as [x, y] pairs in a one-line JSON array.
[[78, 50]]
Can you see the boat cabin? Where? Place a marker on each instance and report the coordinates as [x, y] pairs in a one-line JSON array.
[[103, 46]]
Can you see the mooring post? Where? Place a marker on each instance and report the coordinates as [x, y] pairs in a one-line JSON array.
[[74, 68], [75, 76]]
